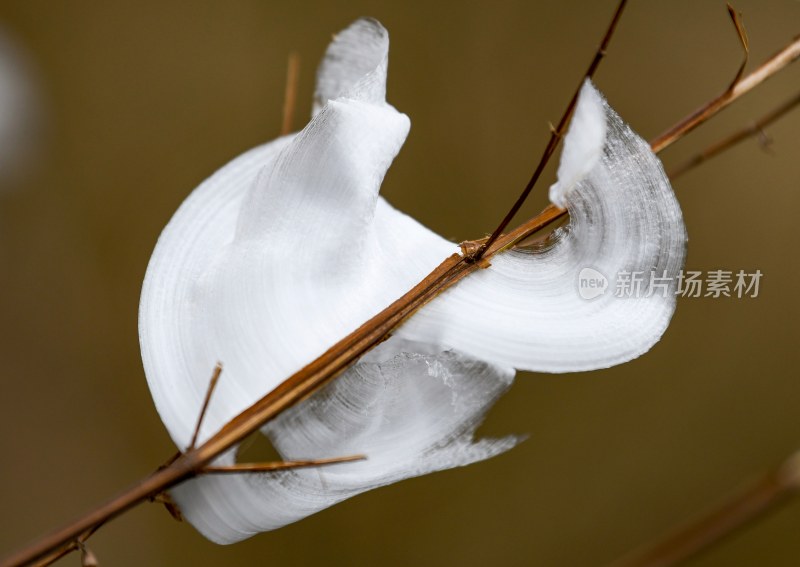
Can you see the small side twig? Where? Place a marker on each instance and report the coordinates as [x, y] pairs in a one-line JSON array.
[[279, 465], [736, 17], [212, 385], [749, 503], [744, 85], [754, 129], [555, 136], [290, 94], [74, 545]]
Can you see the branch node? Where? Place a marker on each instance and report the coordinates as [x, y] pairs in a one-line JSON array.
[[88, 558], [170, 505]]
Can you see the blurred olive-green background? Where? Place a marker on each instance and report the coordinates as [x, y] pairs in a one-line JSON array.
[[140, 101]]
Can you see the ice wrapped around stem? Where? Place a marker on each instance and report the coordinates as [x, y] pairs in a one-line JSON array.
[[289, 248]]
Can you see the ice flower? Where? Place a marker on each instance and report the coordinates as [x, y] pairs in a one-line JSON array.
[[289, 248]]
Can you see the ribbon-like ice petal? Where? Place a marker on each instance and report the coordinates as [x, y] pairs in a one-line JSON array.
[[269, 262], [289, 248], [538, 310], [411, 414]]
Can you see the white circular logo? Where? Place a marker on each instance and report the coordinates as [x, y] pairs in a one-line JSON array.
[[591, 283]]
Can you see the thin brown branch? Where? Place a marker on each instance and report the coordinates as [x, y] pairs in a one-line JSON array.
[[736, 17], [555, 136], [754, 129], [297, 387], [212, 385], [749, 503], [279, 465], [290, 94], [774, 64], [345, 352], [65, 550], [56, 555]]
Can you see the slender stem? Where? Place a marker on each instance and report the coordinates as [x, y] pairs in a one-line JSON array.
[[753, 129], [340, 356], [280, 465], [555, 136], [212, 385], [51, 558], [736, 18], [297, 387], [73, 545], [774, 64], [290, 94], [744, 506]]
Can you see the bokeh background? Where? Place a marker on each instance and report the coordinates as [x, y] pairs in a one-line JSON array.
[[132, 104]]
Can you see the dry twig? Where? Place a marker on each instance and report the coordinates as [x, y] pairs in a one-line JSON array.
[[555, 135], [754, 129], [290, 94], [754, 500]]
